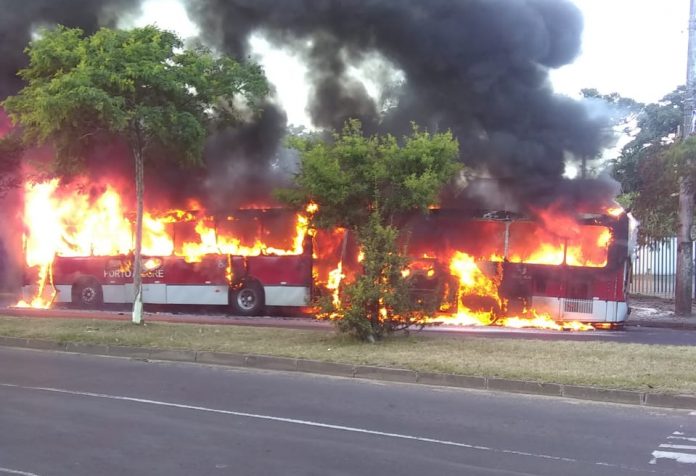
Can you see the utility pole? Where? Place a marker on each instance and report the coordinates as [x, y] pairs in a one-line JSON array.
[[685, 259]]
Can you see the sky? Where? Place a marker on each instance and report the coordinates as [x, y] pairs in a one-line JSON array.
[[634, 47]]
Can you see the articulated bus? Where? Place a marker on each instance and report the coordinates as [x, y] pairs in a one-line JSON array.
[[582, 276]]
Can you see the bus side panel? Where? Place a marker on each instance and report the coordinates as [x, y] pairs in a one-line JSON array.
[[287, 295], [547, 305], [286, 280], [114, 293], [210, 270], [584, 310], [63, 293], [292, 270], [154, 293], [198, 283], [66, 270], [202, 295]]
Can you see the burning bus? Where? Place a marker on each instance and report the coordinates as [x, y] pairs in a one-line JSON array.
[[79, 251], [496, 268], [493, 94], [244, 283], [555, 271]]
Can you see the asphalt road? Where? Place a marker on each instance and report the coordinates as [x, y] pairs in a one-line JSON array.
[[68, 414]]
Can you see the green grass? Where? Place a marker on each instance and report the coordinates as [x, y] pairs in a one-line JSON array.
[[603, 364]]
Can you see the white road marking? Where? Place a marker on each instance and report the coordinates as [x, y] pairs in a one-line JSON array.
[[16, 471], [679, 447], [312, 424], [678, 457]]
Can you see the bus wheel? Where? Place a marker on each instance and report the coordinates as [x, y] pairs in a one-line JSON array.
[[87, 294], [248, 300]]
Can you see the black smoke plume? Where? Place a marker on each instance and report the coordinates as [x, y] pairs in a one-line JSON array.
[[19, 19], [478, 67], [241, 165]]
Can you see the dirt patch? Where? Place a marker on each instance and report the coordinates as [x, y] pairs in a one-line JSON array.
[[649, 307]]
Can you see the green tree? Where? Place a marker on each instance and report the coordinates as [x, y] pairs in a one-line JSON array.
[[656, 122], [11, 150], [647, 166], [363, 183], [139, 85]]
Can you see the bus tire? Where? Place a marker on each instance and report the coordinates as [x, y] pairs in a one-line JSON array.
[[87, 294], [248, 299]]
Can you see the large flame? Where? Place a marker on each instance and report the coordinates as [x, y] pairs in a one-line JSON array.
[[473, 282], [563, 242], [479, 288], [65, 222], [478, 251]]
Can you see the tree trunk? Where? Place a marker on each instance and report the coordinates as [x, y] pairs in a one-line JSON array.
[[137, 265], [683, 291]]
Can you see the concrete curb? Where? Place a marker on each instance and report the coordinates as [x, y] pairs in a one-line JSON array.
[[688, 324], [265, 362], [386, 374], [604, 395], [523, 386]]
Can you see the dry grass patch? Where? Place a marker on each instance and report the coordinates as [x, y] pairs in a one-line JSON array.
[[603, 364]]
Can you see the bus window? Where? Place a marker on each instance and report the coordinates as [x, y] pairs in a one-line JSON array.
[[590, 247], [531, 243]]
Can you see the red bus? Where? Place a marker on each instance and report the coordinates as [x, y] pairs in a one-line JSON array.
[[574, 270], [255, 281], [246, 283], [580, 276]]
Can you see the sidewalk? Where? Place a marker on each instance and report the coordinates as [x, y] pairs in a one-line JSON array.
[[655, 312], [645, 312], [173, 317]]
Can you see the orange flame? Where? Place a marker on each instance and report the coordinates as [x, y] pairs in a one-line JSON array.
[[474, 283], [335, 278], [61, 222], [615, 211]]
